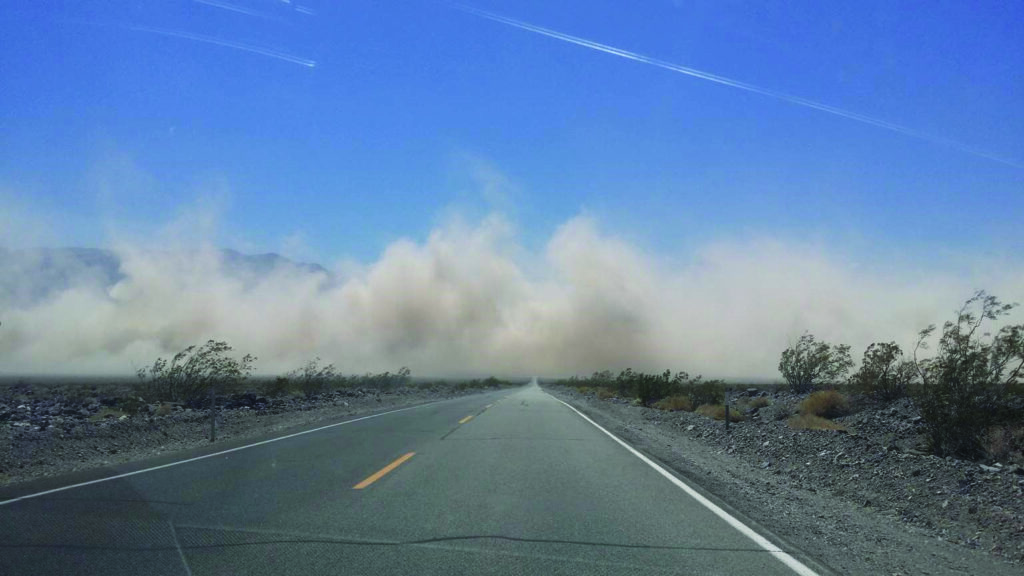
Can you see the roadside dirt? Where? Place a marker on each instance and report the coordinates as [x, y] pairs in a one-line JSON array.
[[856, 503]]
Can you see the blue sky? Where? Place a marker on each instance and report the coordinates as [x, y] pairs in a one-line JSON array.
[[114, 115]]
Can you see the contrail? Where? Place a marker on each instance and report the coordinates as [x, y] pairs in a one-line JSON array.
[[232, 7], [228, 43], [732, 83]]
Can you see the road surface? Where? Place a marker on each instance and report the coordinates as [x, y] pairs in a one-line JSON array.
[[507, 482]]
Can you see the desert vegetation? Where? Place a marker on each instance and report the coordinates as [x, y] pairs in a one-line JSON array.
[[664, 390], [970, 390], [195, 373], [969, 394]]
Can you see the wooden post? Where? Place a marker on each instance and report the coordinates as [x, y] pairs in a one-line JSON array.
[[727, 417], [213, 416]]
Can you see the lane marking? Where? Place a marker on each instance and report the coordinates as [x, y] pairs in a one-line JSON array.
[[488, 406], [221, 453], [466, 419], [380, 473], [784, 557]]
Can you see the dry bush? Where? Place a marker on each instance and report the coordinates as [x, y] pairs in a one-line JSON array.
[[106, 412], [759, 402], [812, 422], [1005, 443], [674, 404], [827, 404], [605, 393], [583, 389], [717, 412]]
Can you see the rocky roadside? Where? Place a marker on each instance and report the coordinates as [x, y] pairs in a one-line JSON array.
[[45, 433], [862, 502]]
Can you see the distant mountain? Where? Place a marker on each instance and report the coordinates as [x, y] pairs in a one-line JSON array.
[[30, 275]]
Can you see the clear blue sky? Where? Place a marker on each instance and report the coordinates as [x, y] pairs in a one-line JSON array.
[[116, 111]]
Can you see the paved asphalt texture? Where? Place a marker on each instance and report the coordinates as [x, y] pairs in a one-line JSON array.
[[524, 486]]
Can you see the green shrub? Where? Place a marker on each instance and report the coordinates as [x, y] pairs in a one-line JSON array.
[[884, 374], [280, 386], [965, 386], [709, 392], [604, 393], [193, 372], [653, 387], [312, 378], [810, 364]]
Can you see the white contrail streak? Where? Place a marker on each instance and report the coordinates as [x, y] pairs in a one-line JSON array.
[[731, 83], [232, 7], [227, 43]]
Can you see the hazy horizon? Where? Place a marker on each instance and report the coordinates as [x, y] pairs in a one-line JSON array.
[[541, 188]]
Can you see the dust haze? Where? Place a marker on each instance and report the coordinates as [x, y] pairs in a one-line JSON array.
[[472, 299]]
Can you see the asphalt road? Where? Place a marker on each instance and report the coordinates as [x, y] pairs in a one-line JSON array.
[[510, 482]]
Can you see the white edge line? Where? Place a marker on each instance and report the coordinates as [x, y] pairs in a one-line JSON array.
[[221, 453], [784, 557]]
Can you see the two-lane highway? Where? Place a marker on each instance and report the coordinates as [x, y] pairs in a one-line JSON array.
[[510, 482]]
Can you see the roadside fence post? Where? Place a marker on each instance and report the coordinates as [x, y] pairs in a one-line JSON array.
[[213, 416]]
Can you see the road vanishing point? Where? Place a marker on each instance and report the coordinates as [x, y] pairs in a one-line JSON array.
[[504, 482]]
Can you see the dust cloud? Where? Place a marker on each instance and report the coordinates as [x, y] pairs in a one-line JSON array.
[[470, 299]]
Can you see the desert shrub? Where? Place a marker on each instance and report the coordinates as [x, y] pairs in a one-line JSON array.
[[193, 372], [603, 379], [812, 422], [884, 373], [826, 403], [624, 383], [312, 378], [965, 387], [759, 402], [131, 404], [810, 364], [106, 412], [717, 412], [709, 392], [279, 386], [648, 388], [675, 404], [1005, 443], [653, 387]]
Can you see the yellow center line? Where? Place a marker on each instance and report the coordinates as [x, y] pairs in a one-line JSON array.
[[380, 473], [466, 419]]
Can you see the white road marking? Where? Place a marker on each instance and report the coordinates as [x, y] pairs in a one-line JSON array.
[[747, 531], [221, 453]]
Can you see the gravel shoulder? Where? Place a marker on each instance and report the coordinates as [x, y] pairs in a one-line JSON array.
[[42, 437], [862, 503]]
